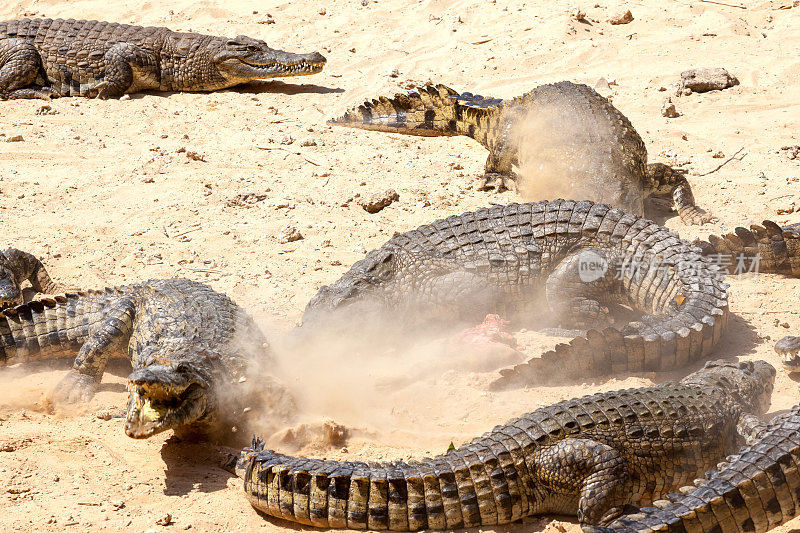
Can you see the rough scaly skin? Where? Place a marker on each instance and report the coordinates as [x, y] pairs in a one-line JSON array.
[[589, 456], [778, 248], [751, 492], [559, 121], [505, 259], [189, 347], [45, 58], [17, 267]]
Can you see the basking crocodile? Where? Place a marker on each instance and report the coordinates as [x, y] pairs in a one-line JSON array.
[[45, 58], [556, 131], [189, 346], [589, 456], [776, 248], [753, 491], [509, 259], [17, 267]]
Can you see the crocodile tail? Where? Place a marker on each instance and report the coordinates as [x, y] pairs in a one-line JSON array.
[[754, 490], [49, 327], [32, 269], [446, 492], [430, 111], [767, 248], [688, 302]]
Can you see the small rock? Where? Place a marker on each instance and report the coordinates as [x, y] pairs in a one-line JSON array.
[[322, 11], [718, 155], [288, 234], [379, 200], [668, 109], [686, 91], [701, 80], [792, 152], [194, 156], [602, 84], [15, 139], [117, 504], [308, 142], [286, 139], [109, 413], [46, 110], [577, 14], [164, 520], [125, 97], [621, 18], [364, 2]]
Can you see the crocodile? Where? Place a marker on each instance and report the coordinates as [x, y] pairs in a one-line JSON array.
[[789, 350], [752, 491], [565, 126], [505, 259], [589, 456], [46, 58], [767, 248], [17, 267], [191, 349]]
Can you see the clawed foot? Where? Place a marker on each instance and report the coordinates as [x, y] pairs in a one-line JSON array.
[[102, 91], [497, 181], [74, 388], [30, 93], [693, 215]]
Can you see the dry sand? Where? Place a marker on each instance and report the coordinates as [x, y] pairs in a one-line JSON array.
[[102, 191]]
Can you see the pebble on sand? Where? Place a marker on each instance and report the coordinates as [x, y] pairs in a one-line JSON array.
[[701, 80]]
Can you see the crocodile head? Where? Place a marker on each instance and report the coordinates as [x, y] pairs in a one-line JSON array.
[[789, 350], [10, 293], [244, 59], [169, 396], [749, 382]]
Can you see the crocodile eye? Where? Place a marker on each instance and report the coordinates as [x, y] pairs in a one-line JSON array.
[[252, 48]]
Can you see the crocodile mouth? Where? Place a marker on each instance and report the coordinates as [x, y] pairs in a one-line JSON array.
[[272, 69], [789, 350], [154, 407]]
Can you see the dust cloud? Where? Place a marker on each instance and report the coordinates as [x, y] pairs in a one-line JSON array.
[[352, 385], [563, 156]]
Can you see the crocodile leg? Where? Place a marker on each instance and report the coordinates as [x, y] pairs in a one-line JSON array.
[[576, 287], [594, 472], [105, 338], [667, 180], [126, 66], [750, 428], [20, 65], [498, 171]]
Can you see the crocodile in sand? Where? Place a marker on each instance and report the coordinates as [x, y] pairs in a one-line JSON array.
[[45, 58], [589, 457], [753, 491], [577, 257], [564, 126], [16, 267], [189, 346]]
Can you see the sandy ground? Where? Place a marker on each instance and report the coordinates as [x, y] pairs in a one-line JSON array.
[[104, 192]]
